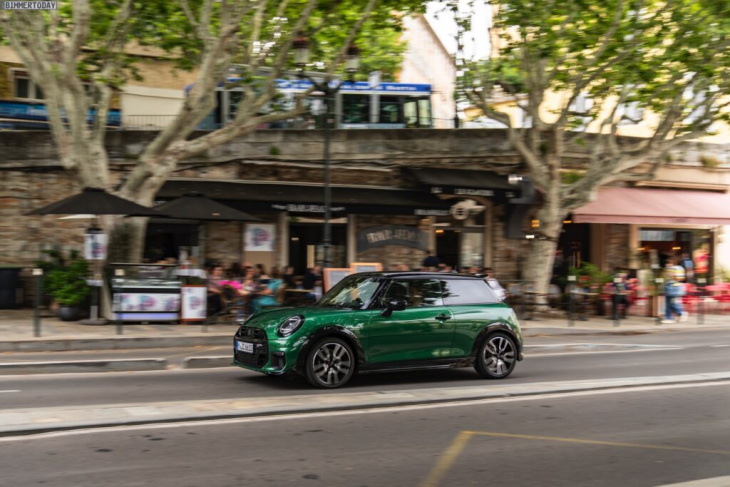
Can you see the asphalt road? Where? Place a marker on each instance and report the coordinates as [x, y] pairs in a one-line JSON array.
[[634, 438], [549, 358]]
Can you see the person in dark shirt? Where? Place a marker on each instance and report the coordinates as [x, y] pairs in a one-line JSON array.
[[288, 277], [313, 278], [431, 260]]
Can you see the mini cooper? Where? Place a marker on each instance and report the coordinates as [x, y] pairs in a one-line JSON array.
[[386, 321]]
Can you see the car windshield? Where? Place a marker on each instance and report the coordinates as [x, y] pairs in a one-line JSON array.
[[352, 292]]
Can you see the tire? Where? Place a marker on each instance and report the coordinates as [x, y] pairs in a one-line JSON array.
[[330, 363], [496, 357]]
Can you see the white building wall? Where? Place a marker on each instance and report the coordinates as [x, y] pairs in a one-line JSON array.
[[426, 61]]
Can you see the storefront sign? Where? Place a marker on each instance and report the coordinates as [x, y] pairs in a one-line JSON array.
[[259, 237], [400, 235], [193, 303], [95, 244], [294, 208]]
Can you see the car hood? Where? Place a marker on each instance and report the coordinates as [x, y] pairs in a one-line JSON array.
[[275, 317]]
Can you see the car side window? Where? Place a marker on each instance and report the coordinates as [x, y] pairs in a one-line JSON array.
[[467, 291], [417, 293]]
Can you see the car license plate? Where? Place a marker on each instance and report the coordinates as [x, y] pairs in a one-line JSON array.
[[245, 347]]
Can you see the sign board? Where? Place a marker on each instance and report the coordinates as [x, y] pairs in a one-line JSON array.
[[193, 302], [259, 237], [366, 267], [95, 244], [334, 275], [400, 235]]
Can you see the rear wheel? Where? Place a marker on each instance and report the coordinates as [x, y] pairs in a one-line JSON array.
[[496, 357], [330, 363]]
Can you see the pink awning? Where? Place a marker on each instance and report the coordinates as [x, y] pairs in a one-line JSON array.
[[656, 206]]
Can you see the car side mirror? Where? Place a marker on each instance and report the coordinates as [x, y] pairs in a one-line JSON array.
[[393, 305]]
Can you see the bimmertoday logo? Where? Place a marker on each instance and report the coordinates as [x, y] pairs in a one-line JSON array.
[[28, 5]]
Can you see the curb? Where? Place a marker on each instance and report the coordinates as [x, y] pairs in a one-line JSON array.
[[75, 366], [207, 362], [41, 420], [113, 343]]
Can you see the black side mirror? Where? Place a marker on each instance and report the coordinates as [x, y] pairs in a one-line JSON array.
[[393, 305]]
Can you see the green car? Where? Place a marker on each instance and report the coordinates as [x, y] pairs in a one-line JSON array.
[[375, 322]]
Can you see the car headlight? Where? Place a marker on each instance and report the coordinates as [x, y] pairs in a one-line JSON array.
[[290, 325]]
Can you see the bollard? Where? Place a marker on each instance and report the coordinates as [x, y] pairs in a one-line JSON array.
[[571, 300], [38, 279], [614, 305], [117, 301], [660, 289], [701, 301]]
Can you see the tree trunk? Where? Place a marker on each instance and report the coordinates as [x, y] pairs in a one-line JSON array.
[[539, 264], [126, 239]]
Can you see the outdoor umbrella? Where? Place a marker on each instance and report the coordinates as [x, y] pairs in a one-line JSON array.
[[195, 206], [95, 201]]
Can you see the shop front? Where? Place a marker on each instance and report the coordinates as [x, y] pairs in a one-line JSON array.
[[661, 224]]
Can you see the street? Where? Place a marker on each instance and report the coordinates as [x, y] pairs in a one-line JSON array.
[[651, 435], [632, 438], [549, 358]]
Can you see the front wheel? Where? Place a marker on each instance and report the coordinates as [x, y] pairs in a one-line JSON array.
[[496, 357], [330, 363]]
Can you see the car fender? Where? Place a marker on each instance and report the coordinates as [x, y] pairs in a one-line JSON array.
[[496, 327], [330, 330]]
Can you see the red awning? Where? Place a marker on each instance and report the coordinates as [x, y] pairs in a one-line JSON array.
[[656, 206]]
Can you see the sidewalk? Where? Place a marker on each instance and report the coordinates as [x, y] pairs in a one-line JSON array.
[[17, 331]]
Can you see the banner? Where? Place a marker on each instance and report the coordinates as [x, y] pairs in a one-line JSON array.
[[259, 237], [95, 244], [401, 235], [193, 303]]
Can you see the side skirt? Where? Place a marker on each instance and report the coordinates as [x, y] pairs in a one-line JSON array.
[[402, 366]]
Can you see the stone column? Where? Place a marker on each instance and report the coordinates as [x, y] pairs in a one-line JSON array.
[[282, 224], [351, 239]]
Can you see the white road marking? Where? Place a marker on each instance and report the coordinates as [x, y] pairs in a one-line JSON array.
[[560, 354], [355, 412], [714, 482], [10, 390], [719, 346]]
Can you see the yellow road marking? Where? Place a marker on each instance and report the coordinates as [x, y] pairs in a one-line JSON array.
[[447, 460], [439, 471]]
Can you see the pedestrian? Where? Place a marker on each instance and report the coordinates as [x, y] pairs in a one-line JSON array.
[[620, 295], [689, 267], [674, 290], [431, 261], [494, 284]]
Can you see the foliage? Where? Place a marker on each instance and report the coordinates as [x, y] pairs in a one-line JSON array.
[[67, 279], [710, 162], [590, 275]]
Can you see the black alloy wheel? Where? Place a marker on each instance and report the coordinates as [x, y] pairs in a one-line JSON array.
[[330, 363], [496, 357]]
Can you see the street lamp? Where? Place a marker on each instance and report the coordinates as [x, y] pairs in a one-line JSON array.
[[301, 47]]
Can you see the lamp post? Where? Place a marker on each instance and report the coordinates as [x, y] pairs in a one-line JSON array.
[[301, 47]]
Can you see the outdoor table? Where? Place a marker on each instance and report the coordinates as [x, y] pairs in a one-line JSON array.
[[295, 297]]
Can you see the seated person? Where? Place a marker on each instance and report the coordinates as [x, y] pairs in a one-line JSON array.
[[267, 294]]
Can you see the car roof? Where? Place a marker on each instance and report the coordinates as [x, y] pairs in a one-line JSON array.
[[414, 274]]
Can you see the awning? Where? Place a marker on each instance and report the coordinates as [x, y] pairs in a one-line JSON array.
[[308, 198], [464, 182], [656, 206]]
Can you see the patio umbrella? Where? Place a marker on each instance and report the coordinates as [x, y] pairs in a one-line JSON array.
[[195, 206], [95, 201], [92, 202]]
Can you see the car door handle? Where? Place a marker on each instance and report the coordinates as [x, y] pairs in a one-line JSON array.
[[443, 317]]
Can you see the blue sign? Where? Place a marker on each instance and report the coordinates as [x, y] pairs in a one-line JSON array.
[[302, 85], [22, 110]]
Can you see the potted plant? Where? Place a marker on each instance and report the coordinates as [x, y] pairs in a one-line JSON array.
[[67, 285]]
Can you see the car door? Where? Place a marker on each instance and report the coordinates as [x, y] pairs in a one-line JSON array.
[[474, 306], [423, 330]]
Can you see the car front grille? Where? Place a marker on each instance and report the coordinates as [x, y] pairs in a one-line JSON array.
[[260, 355]]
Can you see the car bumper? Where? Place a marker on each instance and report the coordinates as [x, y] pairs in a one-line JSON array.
[[261, 355]]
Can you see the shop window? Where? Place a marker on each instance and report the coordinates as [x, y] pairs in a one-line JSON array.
[[25, 88], [355, 108], [390, 110]]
